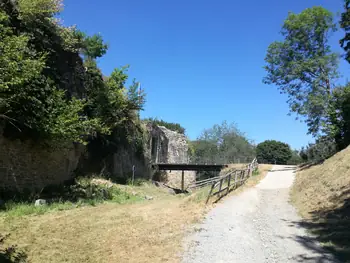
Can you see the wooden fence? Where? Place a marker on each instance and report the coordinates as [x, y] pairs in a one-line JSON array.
[[222, 185]]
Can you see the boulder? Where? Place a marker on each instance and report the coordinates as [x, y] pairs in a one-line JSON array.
[[40, 202]]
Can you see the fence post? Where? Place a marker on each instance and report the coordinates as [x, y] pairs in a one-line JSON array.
[[220, 187], [228, 183], [211, 190], [183, 181]]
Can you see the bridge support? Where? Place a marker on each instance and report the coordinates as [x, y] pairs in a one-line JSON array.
[[183, 181]]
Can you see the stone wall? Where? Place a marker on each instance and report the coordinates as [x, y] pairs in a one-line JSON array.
[[26, 165], [29, 165], [170, 147]]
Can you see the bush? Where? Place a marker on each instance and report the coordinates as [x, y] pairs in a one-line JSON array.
[[273, 152], [322, 149], [176, 127]]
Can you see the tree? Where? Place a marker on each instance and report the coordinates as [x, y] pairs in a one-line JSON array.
[[303, 65], [273, 152], [295, 159], [338, 125], [50, 85], [323, 148], [169, 125], [345, 24], [223, 143]]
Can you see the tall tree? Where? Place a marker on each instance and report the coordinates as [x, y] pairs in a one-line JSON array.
[[345, 24], [271, 151], [303, 65], [223, 143]]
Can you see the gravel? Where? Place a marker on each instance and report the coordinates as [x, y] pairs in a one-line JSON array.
[[258, 225]]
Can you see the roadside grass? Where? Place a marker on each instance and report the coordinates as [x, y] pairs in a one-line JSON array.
[[321, 194], [126, 231], [85, 192], [149, 231]]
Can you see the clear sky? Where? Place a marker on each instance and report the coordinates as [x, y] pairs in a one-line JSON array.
[[199, 61]]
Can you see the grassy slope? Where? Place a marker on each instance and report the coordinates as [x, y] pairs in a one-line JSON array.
[[148, 231], [321, 194]]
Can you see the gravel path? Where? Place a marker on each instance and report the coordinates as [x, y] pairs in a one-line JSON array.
[[258, 225]]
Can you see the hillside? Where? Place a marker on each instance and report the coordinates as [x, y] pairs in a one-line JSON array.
[[321, 194]]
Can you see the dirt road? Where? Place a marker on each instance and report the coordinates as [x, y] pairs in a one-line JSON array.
[[258, 225]]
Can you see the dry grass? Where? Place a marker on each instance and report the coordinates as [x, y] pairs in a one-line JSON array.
[[321, 193], [150, 231], [233, 166], [323, 187]]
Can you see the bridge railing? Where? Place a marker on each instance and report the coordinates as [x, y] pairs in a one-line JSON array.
[[221, 186]]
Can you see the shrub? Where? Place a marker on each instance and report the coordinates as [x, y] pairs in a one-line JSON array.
[[273, 152]]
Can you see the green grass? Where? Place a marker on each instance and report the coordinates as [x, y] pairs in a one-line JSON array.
[[13, 209], [92, 195], [255, 172]]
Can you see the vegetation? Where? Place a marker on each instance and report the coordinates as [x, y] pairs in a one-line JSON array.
[[223, 143], [169, 125], [152, 230], [295, 159], [105, 233], [338, 126], [273, 152], [50, 86], [303, 65], [321, 195], [316, 152], [345, 24], [83, 192]]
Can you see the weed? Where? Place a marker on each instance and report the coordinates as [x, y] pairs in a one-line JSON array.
[[10, 254], [256, 172]]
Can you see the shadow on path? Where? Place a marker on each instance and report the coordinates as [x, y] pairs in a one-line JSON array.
[[331, 228]]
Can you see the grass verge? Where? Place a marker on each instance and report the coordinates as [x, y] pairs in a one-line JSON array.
[[144, 231], [321, 194]]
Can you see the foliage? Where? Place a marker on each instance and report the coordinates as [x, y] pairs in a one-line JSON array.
[[345, 24], [223, 143], [10, 254], [169, 125], [303, 66], [338, 125], [51, 87], [295, 159], [273, 152], [322, 149]]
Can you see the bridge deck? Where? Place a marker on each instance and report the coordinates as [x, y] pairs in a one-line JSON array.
[[188, 167]]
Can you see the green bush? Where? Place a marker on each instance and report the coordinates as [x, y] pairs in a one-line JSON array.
[[169, 125], [273, 152]]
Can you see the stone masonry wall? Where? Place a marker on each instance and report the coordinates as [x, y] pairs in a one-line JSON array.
[[171, 147], [26, 165]]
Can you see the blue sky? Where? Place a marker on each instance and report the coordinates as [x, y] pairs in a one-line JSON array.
[[200, 62]]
